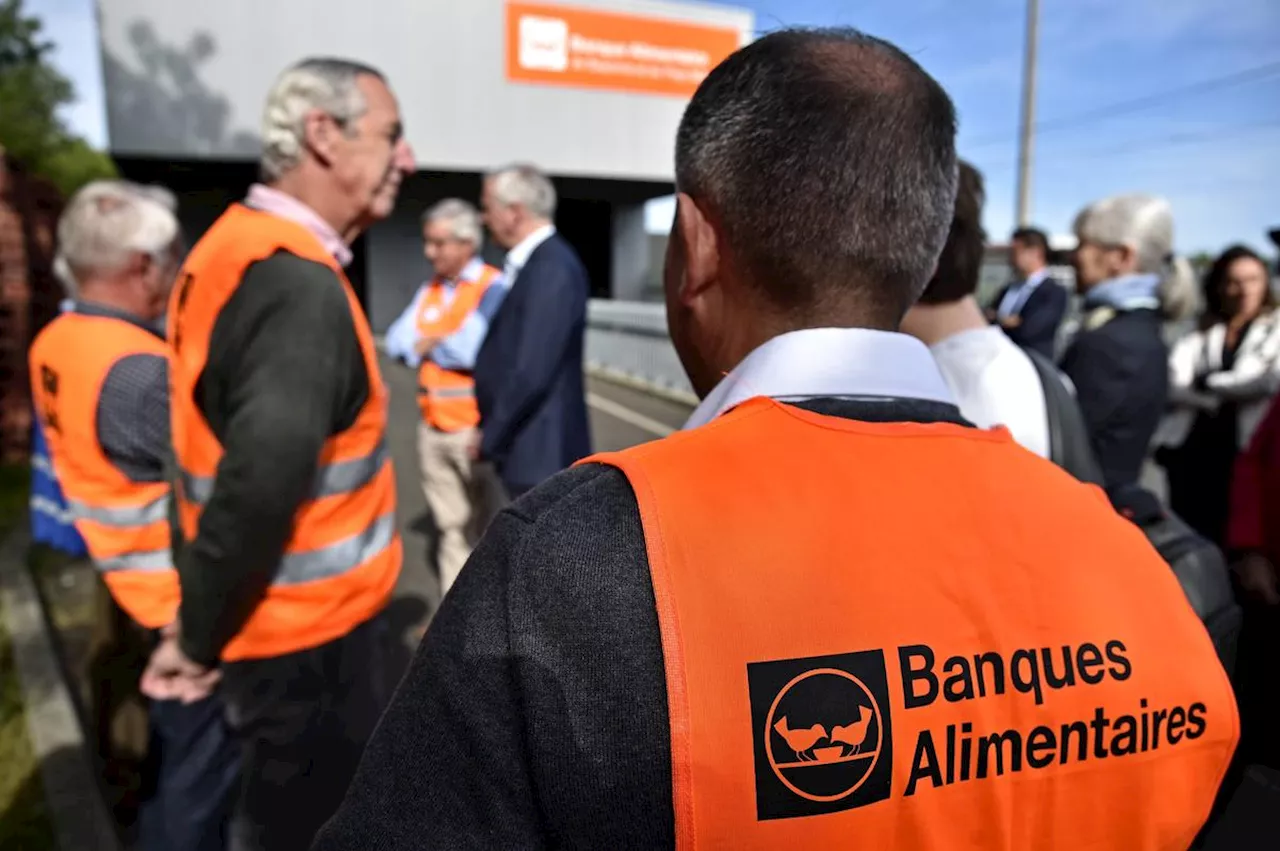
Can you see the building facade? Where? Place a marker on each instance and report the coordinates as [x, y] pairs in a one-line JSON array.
[[590, 90]]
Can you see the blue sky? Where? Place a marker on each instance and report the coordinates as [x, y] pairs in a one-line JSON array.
[[1215, 156]]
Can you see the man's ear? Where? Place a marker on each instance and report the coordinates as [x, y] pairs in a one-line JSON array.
[[1125, 255], [320, 134], [140, 264], [702, 248]]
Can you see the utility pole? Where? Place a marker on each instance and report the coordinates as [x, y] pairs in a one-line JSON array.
[[1026, 134]]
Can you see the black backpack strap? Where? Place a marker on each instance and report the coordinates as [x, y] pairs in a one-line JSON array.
[[1069, 445], [1202, 572]]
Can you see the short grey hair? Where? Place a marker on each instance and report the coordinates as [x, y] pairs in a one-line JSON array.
[[527, 186], [326, 84], [107, 222], [462, 215], [1144, 224], [829, 158]]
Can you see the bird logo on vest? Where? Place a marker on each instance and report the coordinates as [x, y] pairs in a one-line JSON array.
[[823, 741], [805, 742]]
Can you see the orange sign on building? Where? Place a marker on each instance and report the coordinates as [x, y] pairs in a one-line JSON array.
[[581, 48]]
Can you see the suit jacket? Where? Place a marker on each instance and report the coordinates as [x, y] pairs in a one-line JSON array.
[[1119, 365], [1041, 315], [528, 373]]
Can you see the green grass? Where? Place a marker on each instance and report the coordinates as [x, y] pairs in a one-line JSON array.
[[24, 818], [14, 481]]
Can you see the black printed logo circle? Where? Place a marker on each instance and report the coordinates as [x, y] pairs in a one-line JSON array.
[[823, 738]]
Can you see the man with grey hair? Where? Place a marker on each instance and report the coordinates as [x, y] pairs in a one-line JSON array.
[[760, 633], [1131, 283], [286, 494], [440, 333], [100, 379], [529, 384]]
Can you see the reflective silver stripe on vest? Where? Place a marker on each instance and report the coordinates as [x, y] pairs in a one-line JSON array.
[[447, 392], [41, 464], [121, 516], [195, 489], [346, 476], [49, 508], [338, 557], [151, 561], [339, 477]]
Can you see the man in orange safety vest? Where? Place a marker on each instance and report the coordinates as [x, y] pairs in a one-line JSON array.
[[831, 613], [100, 381], [441, 332], [286, 495]]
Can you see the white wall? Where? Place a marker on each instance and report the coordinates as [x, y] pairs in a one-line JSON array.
[[187, 79], [630, 252]]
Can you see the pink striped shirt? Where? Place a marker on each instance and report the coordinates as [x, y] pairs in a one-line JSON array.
[[277, 203]]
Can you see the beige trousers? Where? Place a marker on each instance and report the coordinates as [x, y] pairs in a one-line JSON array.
[[447, 484]]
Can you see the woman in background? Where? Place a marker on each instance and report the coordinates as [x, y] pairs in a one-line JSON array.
[[1221, 380], [1132, 284]]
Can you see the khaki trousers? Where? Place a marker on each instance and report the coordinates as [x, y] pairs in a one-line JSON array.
[[447, 484]]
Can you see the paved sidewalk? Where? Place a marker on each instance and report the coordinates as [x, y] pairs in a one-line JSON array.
[[76, 809]]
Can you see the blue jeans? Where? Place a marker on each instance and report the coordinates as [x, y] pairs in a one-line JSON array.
[[197, 772]]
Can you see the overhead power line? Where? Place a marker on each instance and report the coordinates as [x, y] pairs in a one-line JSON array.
[[1127, 107], [1143, 146]]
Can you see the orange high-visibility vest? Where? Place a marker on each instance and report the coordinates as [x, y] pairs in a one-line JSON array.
[[447, 398], [917, 636], [342, 559], [125, 524]]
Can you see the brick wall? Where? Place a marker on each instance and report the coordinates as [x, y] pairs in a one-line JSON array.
[[29, 293]]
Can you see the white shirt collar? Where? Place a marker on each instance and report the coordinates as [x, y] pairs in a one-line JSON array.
[[1036, 278], [829, 362], [519, 255], [470, 273], [473, 271]]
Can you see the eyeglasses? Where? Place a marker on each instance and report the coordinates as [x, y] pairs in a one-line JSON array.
[[441, 243], [393, 134]]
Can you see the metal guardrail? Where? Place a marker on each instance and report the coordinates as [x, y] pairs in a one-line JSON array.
[[630, 339]]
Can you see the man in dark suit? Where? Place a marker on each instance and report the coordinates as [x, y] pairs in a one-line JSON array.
[[1031, 308], [529, 385]]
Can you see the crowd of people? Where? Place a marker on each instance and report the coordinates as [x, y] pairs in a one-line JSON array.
[[895, 520]]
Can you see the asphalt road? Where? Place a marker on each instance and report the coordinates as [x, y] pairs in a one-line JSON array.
[[620, 417]]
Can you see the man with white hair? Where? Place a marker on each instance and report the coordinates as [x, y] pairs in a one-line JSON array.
[[529, 385], [440, 333], [1132, 283], [286, 493], [100, 379]]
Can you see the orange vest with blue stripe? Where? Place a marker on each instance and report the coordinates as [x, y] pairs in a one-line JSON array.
[[917, 636], [344, 552], [125, 524], [446, 397]]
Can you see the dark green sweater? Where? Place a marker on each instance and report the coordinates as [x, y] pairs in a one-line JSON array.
[[284, 373]]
